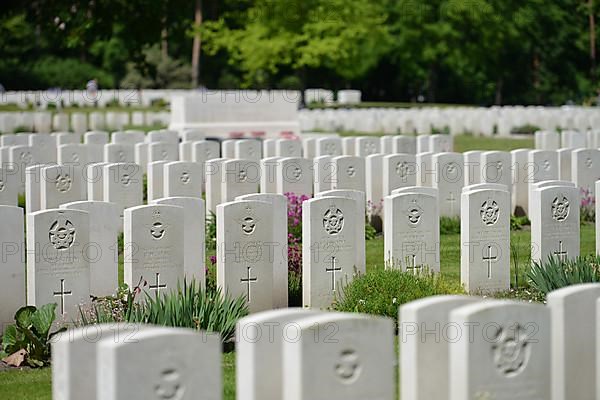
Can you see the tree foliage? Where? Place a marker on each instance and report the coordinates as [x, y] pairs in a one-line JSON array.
[[464, 51]]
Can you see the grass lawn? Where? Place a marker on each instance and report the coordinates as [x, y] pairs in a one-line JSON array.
[[36, 384]]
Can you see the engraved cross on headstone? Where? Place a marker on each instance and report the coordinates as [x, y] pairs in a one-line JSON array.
[[333, 270], [248, 281], [62, 293], [414, 267], [561, 253], [452, 200], [489, 259], [157, 286]]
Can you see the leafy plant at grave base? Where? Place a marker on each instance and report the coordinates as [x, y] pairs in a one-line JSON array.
[[103, 310], [370, 232], [192, 307], [449, 225], [517, 223], [555, 274], [294, 214], [294, 289], [187, 307], [29, 340], [21, 128], [587, 212], [381, 291], [211, 274], [211, 231]]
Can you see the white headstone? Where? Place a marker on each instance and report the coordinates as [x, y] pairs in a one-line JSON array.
[[329, 146], [259, 348], [94, 180], [280, 254], [574, 352], [399, 170], [162, 151], [154, 248], [411, 233], [58, 268], [212, 169], [239, 177], [554, 223], [12, 272], [61, 184], [348, 173], [248, 149], [194, 213], [473, 167], [449, 180], [9, 188], [357, 365], [103, 250], [585, 170], [502, 352], [183, 178], [288, 148], [485, 241], [294, 175], [424, 356], [122, 184], [189, 366], [329, 256], [244, 267], [119, 153]]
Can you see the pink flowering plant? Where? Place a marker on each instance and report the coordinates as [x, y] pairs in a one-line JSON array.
[[294, 241], [588, 206]]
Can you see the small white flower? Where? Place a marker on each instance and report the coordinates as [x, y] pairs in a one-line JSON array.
[[394, 300]]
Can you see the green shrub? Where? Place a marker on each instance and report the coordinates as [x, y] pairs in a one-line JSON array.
[[187, 307], [294, 289], [382, 291], [555, 274], [370, 232], [517, 223], [50, 72], [31, 334], [449, 225]]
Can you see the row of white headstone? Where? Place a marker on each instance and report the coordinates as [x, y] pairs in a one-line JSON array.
[[501, 121], [79, 122], [451, 347]]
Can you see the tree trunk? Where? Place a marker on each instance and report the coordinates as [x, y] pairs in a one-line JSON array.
[[592, 22], [499, 86], [164, 38], [431, 83], [197, 45]]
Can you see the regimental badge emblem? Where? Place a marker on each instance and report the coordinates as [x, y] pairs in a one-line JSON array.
[[26, 157], [402, 169], [560, 208], [170, 386], [63, 183], [490, 211], [242, 175], [185, 178], [249, 222], [2, 185], [62, 234], [297, 173], [511, 350], [158, 228], [414, 213], [333, 220], [351, 171], [125, 180], [348, 367]]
